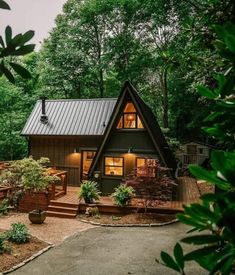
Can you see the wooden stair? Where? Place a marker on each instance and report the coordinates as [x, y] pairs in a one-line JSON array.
[[62, 210]]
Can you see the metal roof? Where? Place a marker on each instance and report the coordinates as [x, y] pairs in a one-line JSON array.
[[71, 117]]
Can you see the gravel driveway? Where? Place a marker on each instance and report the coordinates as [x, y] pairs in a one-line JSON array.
[[53, 230], [110, 251]]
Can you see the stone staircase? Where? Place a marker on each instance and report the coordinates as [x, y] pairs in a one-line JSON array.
[[62, 209]]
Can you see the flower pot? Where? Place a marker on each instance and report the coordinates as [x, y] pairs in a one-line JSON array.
[[88, 200], [37, 216]]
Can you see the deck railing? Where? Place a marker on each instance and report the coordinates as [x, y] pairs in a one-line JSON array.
[[56, 189], [193, 159], [59, 188]]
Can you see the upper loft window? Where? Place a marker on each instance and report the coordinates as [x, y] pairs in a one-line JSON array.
[[130, 119]]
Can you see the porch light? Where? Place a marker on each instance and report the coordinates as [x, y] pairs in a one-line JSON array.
[[76, 150]]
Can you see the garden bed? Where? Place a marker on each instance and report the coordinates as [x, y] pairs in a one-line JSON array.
[[20, 252], [129, 219]]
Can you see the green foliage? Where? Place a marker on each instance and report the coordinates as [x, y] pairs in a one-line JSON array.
[[216, 213], [4, 204], [14, 109], [18, 233], [123, 194], [3, 247], [149, 42], [14, 102], [89, 191], [28, 174], [4, 5], [177, 262], [222, 118], [14, 46]]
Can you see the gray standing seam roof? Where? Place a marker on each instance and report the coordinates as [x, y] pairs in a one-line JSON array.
[[71, 117]]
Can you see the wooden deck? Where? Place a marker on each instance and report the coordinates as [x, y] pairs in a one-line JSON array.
[[71, 196], [188, 193]]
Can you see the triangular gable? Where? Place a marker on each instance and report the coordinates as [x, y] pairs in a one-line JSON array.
[[149, 122]]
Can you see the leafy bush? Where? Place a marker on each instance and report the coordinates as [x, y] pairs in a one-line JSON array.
[[4, 207], [3, 247], [26, 175], [215, 250], [89, 191], [123, 194], [18, 233]]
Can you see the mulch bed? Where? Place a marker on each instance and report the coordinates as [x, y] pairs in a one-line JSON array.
[[19, 252], [133, 218]]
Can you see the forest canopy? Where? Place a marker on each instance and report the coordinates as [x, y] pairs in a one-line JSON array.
[[166, 48]]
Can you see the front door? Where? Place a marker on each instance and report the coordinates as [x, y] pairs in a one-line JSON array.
[[87, 158]]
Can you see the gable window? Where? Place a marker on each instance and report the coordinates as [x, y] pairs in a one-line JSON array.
[[130, 119], [146, 167], [113, 166]]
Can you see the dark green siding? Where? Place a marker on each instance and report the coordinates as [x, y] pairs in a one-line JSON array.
[[117, 145], [123, 139]]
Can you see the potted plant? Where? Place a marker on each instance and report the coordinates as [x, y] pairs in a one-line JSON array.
[[31, 177], [89, 191], [123, 194]]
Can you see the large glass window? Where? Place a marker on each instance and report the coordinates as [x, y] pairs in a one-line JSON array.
[[146, 167], [130, 118], [113, 166]]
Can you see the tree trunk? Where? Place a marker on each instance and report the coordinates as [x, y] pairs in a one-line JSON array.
[[99, 52], [101, 84], [165, 119]]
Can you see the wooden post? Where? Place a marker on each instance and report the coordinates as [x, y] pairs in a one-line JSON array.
[[53, 191], [64, 182]]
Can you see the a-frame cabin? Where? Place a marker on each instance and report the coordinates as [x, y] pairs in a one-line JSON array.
[[132, 138], [102, 138]]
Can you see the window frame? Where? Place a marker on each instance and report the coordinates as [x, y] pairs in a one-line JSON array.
[[104, 166], [136, 165], [137, 119]]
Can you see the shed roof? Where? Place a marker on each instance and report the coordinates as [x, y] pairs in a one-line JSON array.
[[71, 117]]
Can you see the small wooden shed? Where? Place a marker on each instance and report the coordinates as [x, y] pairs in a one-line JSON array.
[[193, 153]]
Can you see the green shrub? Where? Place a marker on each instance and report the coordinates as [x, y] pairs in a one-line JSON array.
[[18, 233], [212, 220], [28, 174], [3, 247], [123, 194], [89, 191], [4, 207]]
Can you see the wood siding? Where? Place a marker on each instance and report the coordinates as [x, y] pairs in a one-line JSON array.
[[136, 139], [198, 155], [60, 151]]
